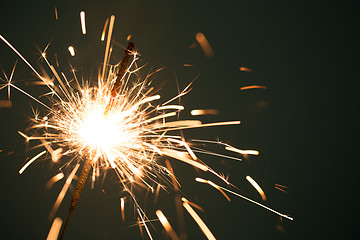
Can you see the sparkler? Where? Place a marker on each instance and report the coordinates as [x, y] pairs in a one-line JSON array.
[[117, 124]]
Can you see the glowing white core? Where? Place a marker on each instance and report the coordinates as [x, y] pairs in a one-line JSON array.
[[100, 131]]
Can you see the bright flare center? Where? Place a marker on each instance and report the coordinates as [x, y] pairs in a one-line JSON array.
[[100, 131]]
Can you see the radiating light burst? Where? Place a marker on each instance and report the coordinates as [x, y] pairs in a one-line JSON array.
[[129, 132]]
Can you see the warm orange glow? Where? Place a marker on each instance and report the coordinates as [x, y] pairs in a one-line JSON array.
[[245, 69], [197, 112], [53, 180], [55, 229], [166, 225], [128, 37], [199, 221], [104, 30], [253, 87], [122, 205], [257, 187], [205, 45], [82, 19], [56, 14]]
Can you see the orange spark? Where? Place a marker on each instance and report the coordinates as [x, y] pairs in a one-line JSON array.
[[188, 65], [167, 225], [257, 187], [252, 87], [128, 37], [197, 112], [83, 26], [55, 229], [193, 204], [56, 59], [281, 187], [53, 180], [245, 69], [104, 30], [122, 205], [56, 14], [199, 221], [205, 45], [63, 191]]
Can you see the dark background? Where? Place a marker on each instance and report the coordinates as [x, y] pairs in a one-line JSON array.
[[303, 124]]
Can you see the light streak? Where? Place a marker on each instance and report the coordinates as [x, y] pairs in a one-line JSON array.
[[257, 187], [83, 25], [122, 206], [213, 185], [71, 50], [55, 229], [205, 45], [245, 69], [197, 112], [63, 192], [249, 152], [199, 221], [53, 180], [281, 187], [56, 14], [31, 161], [104, 30], [253, 87], [167, 225], [259, 204]]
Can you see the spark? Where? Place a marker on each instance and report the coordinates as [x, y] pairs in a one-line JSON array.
[[71, 50], [205, 45], [104, 30], [55, 229], [197, 112], [31, 161], [249, 152], [199, 221], [253, 87], [53, 180], [281, 187], [82, 19], [213, 185], [167, 225], [56, 14], [245, 69], [257, 187], [254, 202], [122, 206]]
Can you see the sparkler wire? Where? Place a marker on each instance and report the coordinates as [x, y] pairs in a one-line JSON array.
[[88, 162]]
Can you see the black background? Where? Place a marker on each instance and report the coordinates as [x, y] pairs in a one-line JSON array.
[[303, 124]]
